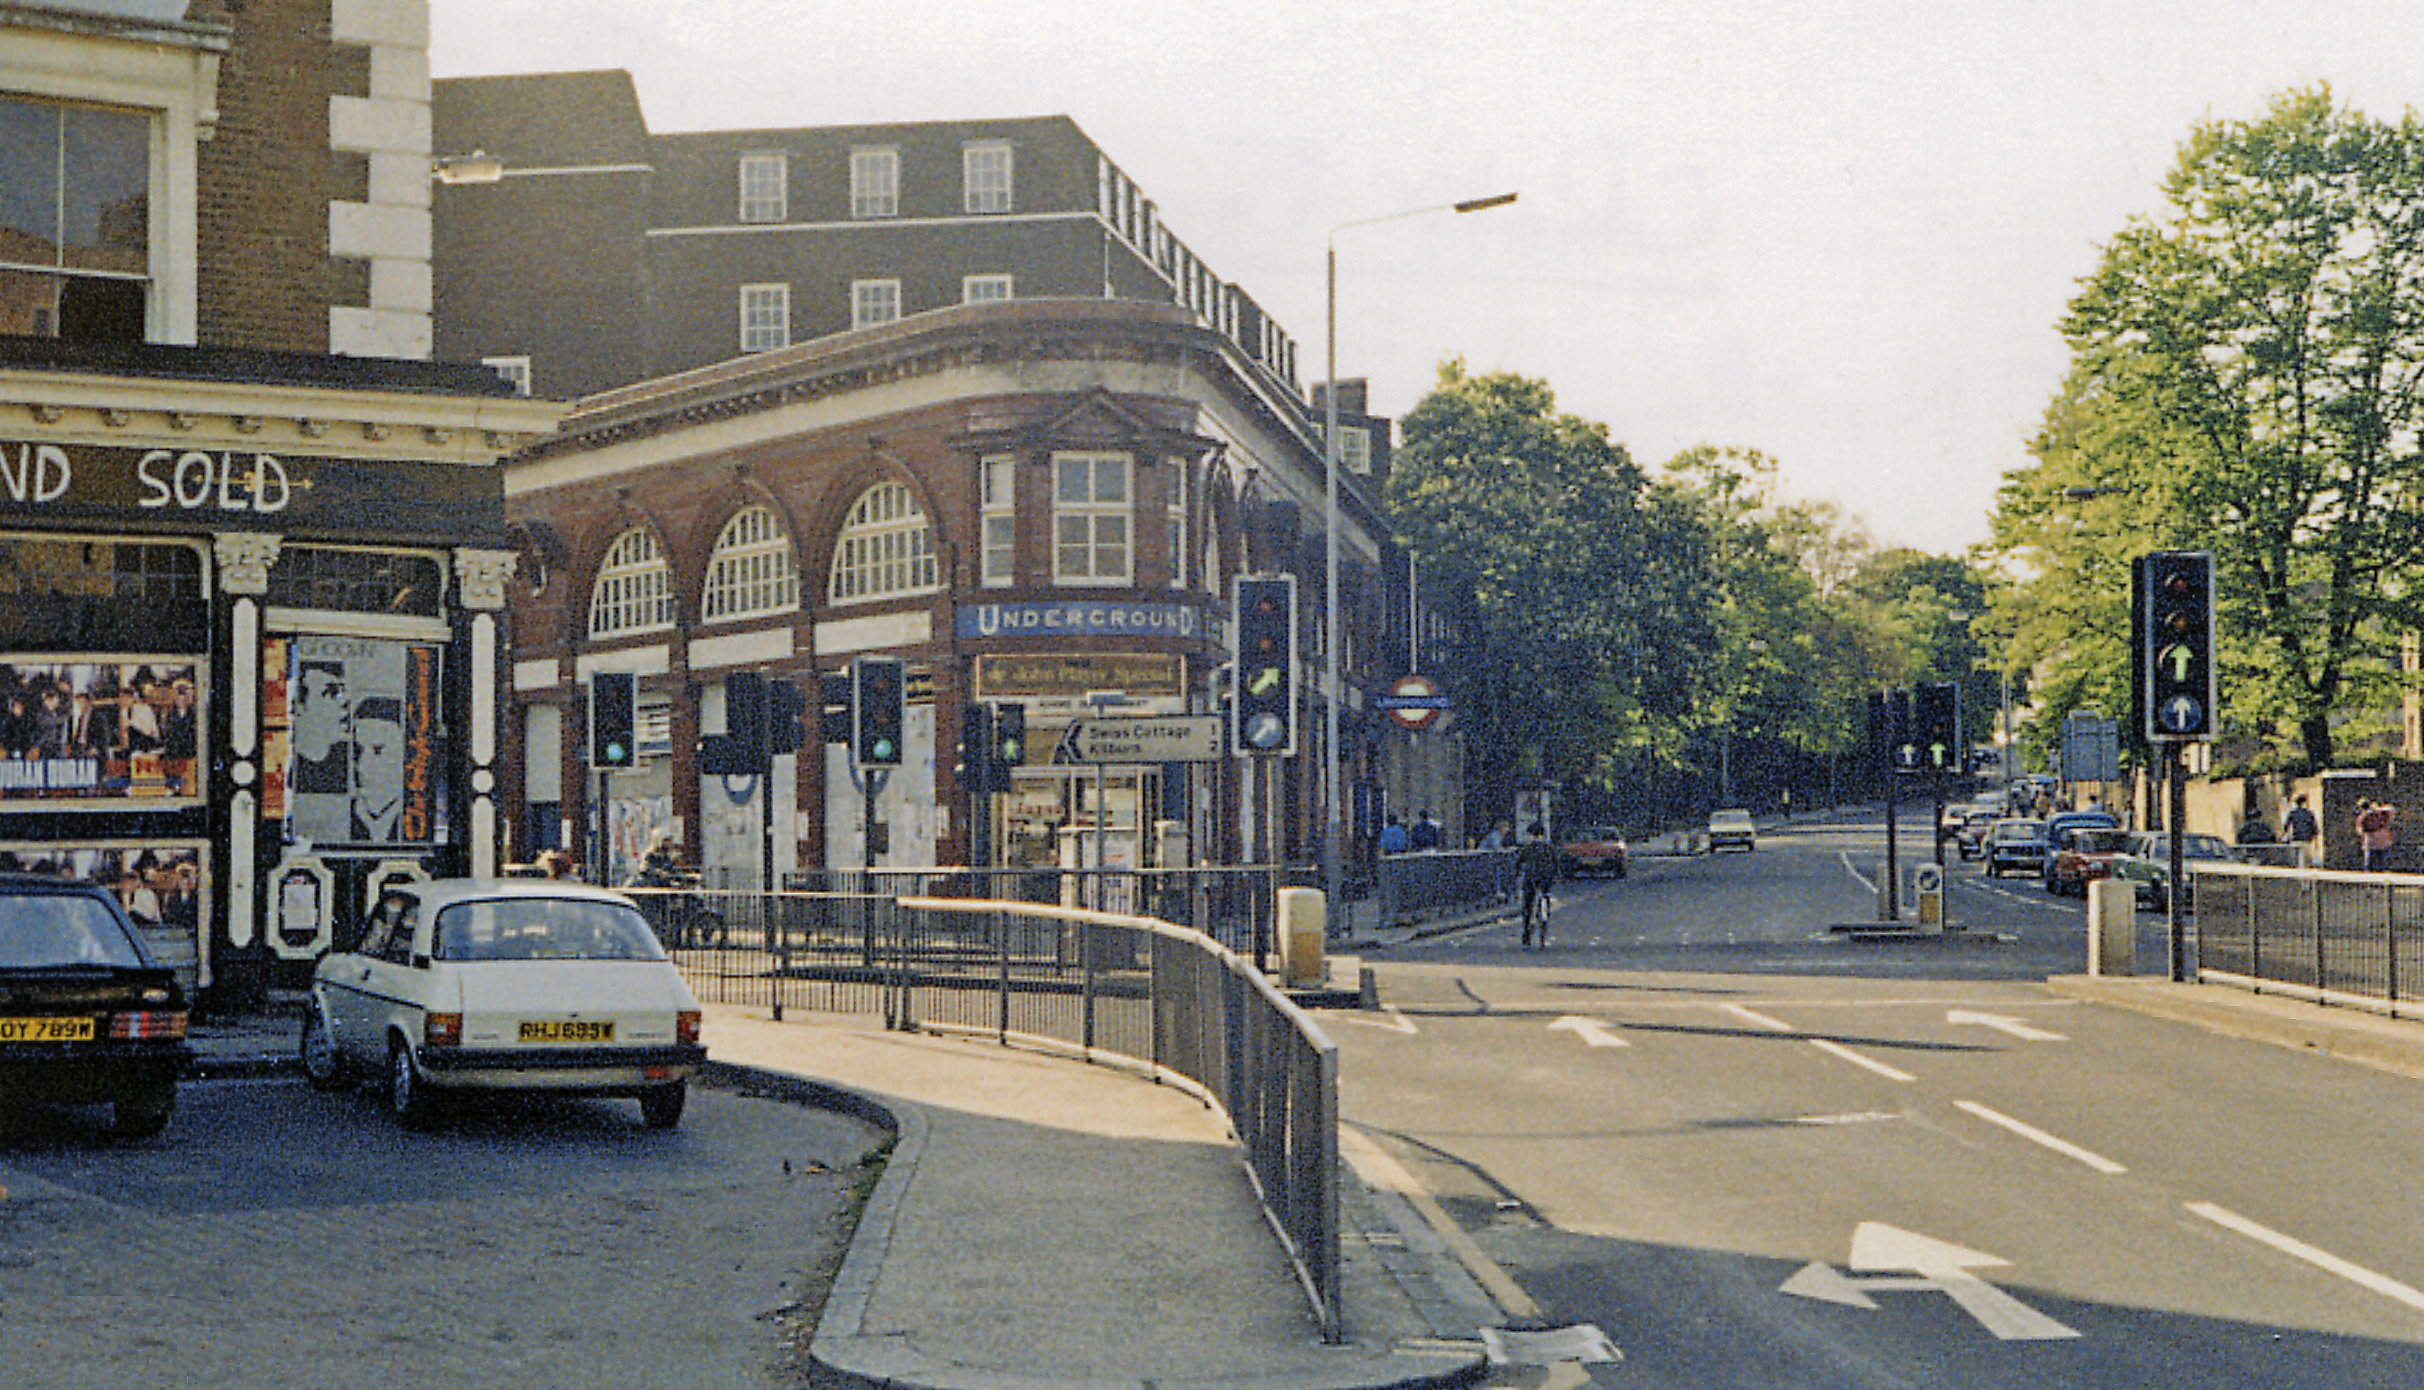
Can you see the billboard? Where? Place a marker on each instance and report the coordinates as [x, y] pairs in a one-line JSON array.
[[77, 732], [351, 740]]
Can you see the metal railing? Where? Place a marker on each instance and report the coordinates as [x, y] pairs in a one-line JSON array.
[[1168, 998], [1412, 886], [2333, 937], [1232, 905]]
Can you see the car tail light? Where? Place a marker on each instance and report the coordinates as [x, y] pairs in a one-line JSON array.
[[686, 1026], [160, 1023], [442, 1030]]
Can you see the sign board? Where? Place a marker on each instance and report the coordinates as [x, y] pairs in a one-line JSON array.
[[1414, 702], [1184, 738], [2091, 749]]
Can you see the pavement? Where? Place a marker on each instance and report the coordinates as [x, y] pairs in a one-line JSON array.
[[1045, 1222]]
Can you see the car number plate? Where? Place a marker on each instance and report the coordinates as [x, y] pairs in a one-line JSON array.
[[564, 1030], [46, 1030]]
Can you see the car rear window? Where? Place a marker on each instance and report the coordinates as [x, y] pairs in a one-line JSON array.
[[61, 929], [543, 929]]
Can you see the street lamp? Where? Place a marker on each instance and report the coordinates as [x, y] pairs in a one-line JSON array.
[[1333, 644]]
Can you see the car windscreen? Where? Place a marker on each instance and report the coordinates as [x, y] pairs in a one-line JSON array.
[[497, 929], [60, 929], [2094, 841]]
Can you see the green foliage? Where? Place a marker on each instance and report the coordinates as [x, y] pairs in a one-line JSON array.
[[2245, 376]]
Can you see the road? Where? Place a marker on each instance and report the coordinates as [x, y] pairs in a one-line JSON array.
[[1758, 1152], [276, 1237]]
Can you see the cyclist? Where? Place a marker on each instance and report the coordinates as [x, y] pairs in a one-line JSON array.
[[1536, 867]]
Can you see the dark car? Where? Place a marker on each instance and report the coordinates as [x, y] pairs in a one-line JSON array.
[[87, 1015], [2016, 842]]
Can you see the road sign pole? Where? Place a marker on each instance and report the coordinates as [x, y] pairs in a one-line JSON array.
[[2178, 936], [1893, 856]]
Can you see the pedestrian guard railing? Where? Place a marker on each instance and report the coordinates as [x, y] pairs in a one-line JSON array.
[[2333, 937], [1120, 987], [1410, 887]]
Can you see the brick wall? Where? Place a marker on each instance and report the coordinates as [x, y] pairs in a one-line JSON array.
[[266, 179]]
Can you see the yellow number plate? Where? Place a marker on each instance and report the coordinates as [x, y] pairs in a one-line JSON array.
[[551, 1030], [45, 1030]]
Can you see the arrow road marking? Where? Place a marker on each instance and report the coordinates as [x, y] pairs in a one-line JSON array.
[[2018, 1028], [1935, 1267], [1395, 1022], [1590, 1030]]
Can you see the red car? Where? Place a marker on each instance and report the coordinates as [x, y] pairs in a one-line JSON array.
[[1596, 848], [2085, 854]]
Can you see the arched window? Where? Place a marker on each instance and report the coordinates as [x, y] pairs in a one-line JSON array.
[[886, 548], [751, 571], [634, 592]]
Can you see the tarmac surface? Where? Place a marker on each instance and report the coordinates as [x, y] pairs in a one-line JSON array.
[[1042, 1221]]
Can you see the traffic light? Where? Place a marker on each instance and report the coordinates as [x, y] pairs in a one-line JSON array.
[[1265, 624], [612, 721], [976, 748], [784, 707], [2177, 598], [875, 712], [1009, 743], [740, 751], [1936, 713]]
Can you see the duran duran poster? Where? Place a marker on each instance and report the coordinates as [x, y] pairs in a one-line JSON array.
[[352, 740], [76, 731]]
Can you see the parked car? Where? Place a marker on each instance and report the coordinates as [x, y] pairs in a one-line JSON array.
[[1970, 838], [1732, 827], [2015, 842], [2148, 865], [470, 985], [1595, 849], [87, 1015], [2084, 854]]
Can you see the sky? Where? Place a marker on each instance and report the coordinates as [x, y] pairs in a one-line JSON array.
[[1839, 232]]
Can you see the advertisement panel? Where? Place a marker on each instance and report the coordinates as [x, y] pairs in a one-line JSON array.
[[77, 733], [350, 733]]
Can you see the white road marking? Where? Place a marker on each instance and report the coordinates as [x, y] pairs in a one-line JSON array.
[[2034, 1135], [2003, 1023], [1938, 1267], [2297, 1249], [1591, 1030], [1857, 877], [1832, 1049], [1395, 1022]]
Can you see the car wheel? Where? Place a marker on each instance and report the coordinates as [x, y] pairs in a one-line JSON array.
[[323, 1065], [661, 1106], [1621, 870], [144, 1111], [407, 1096]]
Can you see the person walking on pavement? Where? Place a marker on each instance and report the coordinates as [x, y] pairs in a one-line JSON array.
[[1393, 836], [1426, 832], [2299, 827], [1536, 867], [2377, 831]]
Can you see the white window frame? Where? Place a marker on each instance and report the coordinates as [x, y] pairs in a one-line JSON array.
[[1355, 449], [982, 191], [997, 489], [751, 572], [1093, 525], [634, 589], [1175, 513], [986, 289], [513, 369], [765, 186], [874, 302], [765, 311], [885, 549], [875, 182]]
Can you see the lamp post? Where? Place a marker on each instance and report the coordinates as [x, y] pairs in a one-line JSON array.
[[1333, 660]]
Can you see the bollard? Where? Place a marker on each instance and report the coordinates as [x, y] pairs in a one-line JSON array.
[[1927, 883], [1300, 937], [2112, 927]]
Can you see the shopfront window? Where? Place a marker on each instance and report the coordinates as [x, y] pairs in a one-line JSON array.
[[356, 581], [75, 220]]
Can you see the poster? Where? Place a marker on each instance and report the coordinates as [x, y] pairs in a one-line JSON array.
[[75, 731], [352, 731], [159, 883]]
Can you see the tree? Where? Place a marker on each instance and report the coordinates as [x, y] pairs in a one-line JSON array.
[[1580, 595], [2245, 377]]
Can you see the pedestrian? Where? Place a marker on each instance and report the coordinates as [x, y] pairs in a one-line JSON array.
[[2377, 831], [2255, 830], [1393, 836], [1498, 836], [2299, 827], [1536, 867], [1426, 832]]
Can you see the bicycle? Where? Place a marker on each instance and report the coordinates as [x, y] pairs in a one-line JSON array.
[[1536, 908]]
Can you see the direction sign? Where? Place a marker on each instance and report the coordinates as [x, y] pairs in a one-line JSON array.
[[1880, 1256], [1177, 738]]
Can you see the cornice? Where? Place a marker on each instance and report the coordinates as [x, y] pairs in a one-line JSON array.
[[82, 407]]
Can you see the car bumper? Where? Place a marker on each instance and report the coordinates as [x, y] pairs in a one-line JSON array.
[[89, 1074], [1722, 841], [603, 1071]]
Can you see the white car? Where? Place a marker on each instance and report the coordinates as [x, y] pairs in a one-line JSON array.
[[472, 985], [1732, 826]]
